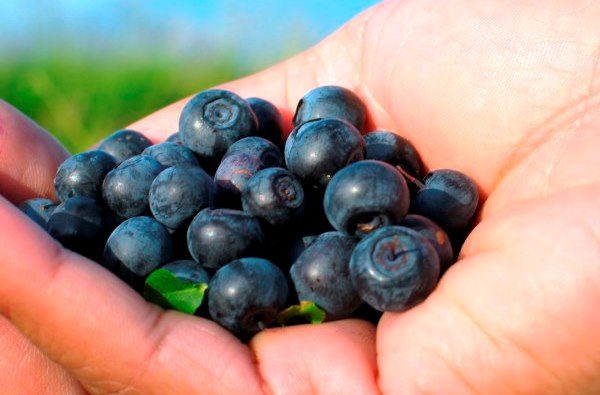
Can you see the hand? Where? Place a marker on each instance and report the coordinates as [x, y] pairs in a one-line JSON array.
[[507, 93]]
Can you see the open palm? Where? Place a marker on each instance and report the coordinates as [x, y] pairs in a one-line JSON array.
[[507, 93]]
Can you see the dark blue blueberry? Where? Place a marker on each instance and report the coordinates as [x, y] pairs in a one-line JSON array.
[[171, 154], [125, 189], [232, 175], [259, 147], [136, 248], [212, 121], [316, 150], [174, 138], [38, 209], [321, 274], [188, 270], [449, 198], [245, 295], [216, 237], [79, 224], [395, 150], [436, 236], [394, 268], [331, 102], [270, 124], [125, 144], [365, 196], [179, 193], [274, 195], [82, 175]]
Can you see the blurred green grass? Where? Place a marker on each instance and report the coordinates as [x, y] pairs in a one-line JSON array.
[[81, 99]]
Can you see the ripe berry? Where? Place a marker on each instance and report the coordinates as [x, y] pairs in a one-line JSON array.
[[321, 274], [39, 210], [394, 268], [174, 138], [234, 172], [365, 196], [216, 237], [79, 224], [124, 144], [136, 248], [274, 195], [270, 124], [82, 175], [180, 192], [188, 270], [125, 189], [436, 236], [259, 147], [171, 154], [212, 121], [331, 102], [449, 198], [316, 150], [395, 150], [246, 295]]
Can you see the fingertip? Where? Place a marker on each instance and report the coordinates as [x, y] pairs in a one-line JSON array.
[[336, 357], [29, 156]]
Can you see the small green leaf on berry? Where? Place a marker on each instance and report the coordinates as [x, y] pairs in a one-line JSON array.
[[166, 290], [306, 310]]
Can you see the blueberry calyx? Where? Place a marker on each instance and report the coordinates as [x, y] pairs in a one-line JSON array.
[[220, 113]]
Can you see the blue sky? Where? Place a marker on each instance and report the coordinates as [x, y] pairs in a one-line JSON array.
[[183, 27]]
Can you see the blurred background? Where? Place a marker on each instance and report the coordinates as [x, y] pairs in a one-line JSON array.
[[84, 68]]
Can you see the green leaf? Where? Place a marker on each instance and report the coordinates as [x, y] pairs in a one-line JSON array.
[[306, 310], [166, 290]]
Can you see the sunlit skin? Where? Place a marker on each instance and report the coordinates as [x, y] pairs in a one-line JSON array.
[[507, 92]]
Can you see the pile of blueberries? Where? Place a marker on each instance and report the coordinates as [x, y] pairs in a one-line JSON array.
[[348, 222]]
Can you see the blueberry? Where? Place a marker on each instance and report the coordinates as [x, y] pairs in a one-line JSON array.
[[449, 198], [125, 144], [125, 189], [365, 196], [395, 150], [316, 150], [270, 124], [180, 192], [39, 210], [232, 175], [82, 175], [436, 236], [331, 102], [218, 236], [394, 268], [321, 274], [136, 248], [266, 151], [245, 295], [212, 121], [274, 195], [171, 154], [175, 138], [188, 270], [79, 224]]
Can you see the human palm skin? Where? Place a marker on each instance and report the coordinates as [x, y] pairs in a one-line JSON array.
[[507, 92]]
